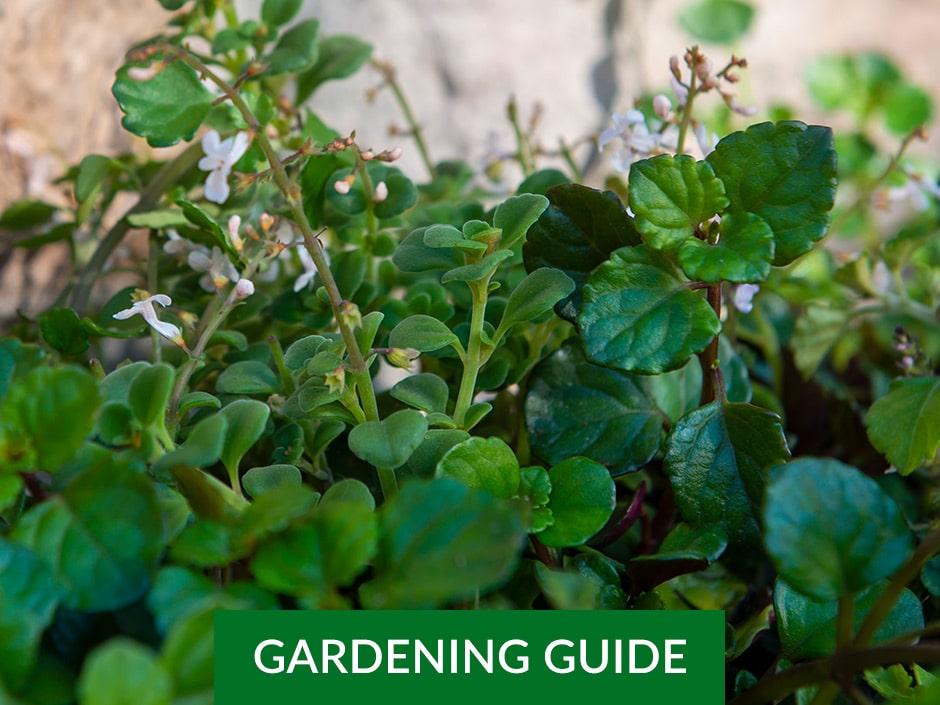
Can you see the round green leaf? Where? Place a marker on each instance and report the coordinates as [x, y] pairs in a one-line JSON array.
[[295, 51], [150, 391], [338, 57], [867, 543], [422, 333], [102, 536], [582, 499], [670, 197], [577, 408], [743, 253], [907, 108], [246, 420], [808, 628], [29, 595], [413, 255], [247, 377], [442, 541], [717, 459], [905, 423], [348, 490], [515, 216], [437, 441], [124, 672], [63, 330], [278, 12], [535, 295], [482, 463], [639, 315], [166, 108], [257, 481], [390, 442], [786, 174], [426, 392], [717, 21], [578, 231]]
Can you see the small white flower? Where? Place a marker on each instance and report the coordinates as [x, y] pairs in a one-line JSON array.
[[221, 156], [381, 192], [682, 93], [243, 289], [310, 269], [707, 146], [219, 270], [234, 223], [662, 106], [176, 246], [638, 142], [917, 191], [145, 308], [623, 125], [744, 297]]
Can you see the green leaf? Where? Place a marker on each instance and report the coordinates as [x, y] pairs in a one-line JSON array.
[[259, 480], [907, 108], [684, 550], [202, 448], [439, 236], [437, 441], [678, 392], [425, 392], [413, 255], [670, 197], [478, 271], [786, 174], [187, 652], [482, 463], [296, 356], [640, 316], [868, 543], [247, 377], [48, 414], [124, 672], [582, 499], [166, 108], [295, 51], [102, 536], [338, 57], [578, 231], [515, 216], [278, 12], [535, 295], [92, 170], [149, 393], [808, 628], [717, 21], [743, 253], [905, 423], [423, 333], [390, 442], [196, 400], [245, 422], [577, 408], [348, 490], [717, 459], [63, 330], [29, 596], [441, 541], [817, 330]]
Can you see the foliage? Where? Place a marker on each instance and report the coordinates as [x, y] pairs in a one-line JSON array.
[[591, 409]]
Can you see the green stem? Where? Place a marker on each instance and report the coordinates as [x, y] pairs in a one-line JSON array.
[[473, 360], [388, 481], [153, 253], [277, 352], [708, 358], [525, 151], [167, 176], [292, 196], [845, 621], [388, 73], [369, 188], [686, 116]]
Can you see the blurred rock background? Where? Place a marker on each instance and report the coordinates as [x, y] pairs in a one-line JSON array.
[[458, 61]]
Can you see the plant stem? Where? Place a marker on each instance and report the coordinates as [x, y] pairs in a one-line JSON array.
[[473, 360], [525, 152], [277, 352], [708, 358], [292, 195], [686, 116], [152, 255], [388, 481], [388, 74], [845, 621]]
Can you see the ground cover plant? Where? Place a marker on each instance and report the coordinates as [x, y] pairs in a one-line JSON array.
[[709, 384]]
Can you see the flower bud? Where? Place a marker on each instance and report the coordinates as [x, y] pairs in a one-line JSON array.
[[393, 154], [350, 316], [368, 155], [381, 192], [266, 222], [662, 106], [342, 186], [674, 67], [336, 380], [403, 357], [243, 289], [234, 223]]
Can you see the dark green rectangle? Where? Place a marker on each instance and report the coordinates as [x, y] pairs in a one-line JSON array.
[[515, 659]]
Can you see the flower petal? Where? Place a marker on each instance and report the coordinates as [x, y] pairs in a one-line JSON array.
[[211, 144], [238, 148], [161, 299], [126, 313], [167, 330], [216, 189]]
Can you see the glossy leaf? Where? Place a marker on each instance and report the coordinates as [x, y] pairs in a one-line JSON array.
[[122, 671], [425, 392], [670, 197], [390, 442], [582, 499], [742, 255], [515, 216], [166, 108], [482, 463], [640, 316], [441, 541], [296, 49], [575, 407], [423, 333], [29, 596], [808, 628], [786, 174], [337, 57], [905, 423], [684, 550], [717, 459], [868, 543], [102, 536], [580, 229]]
